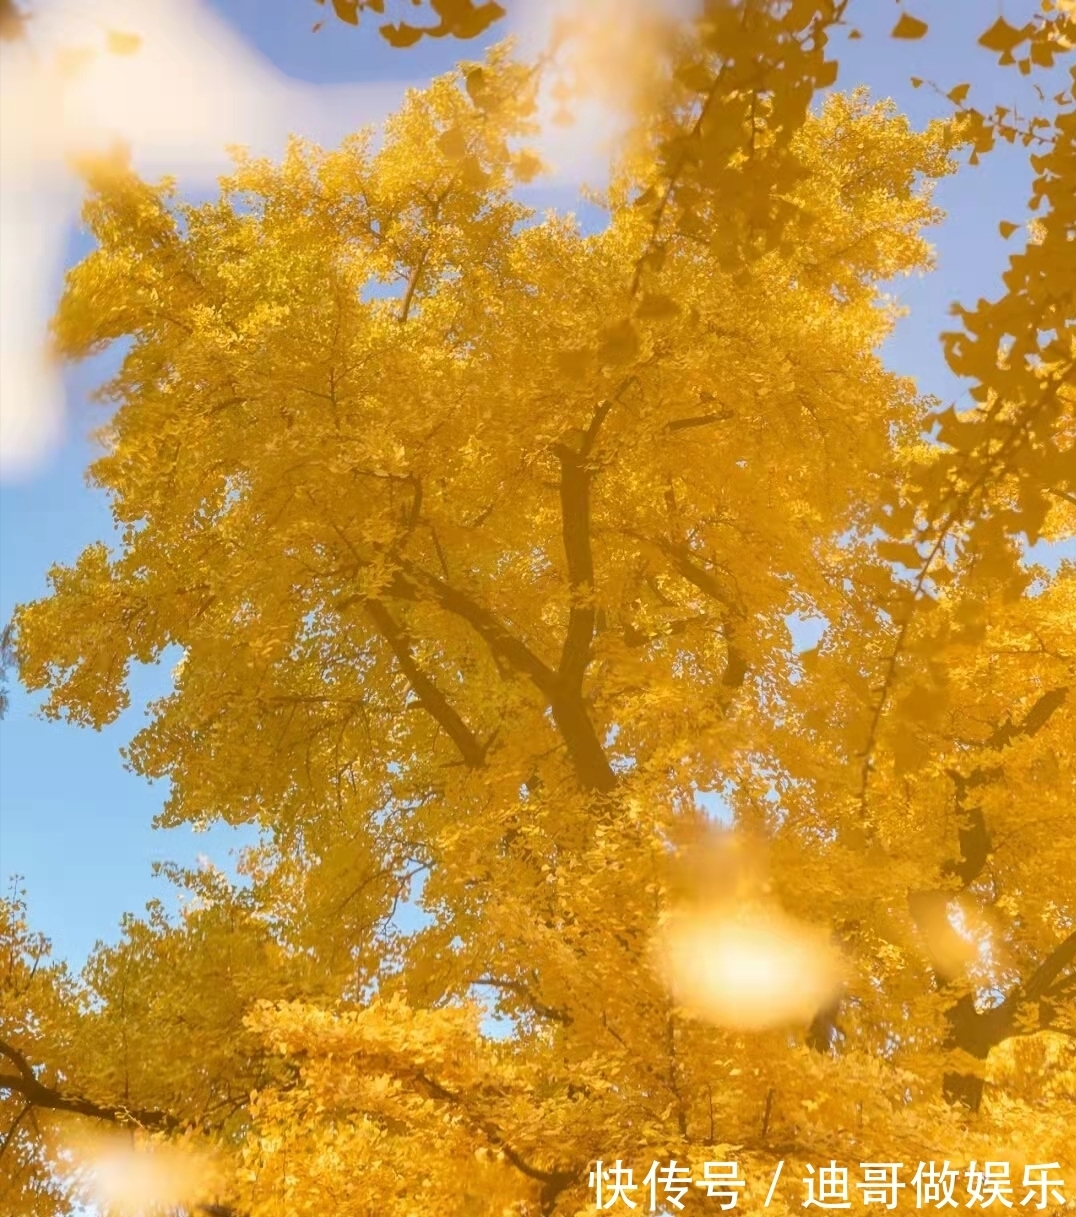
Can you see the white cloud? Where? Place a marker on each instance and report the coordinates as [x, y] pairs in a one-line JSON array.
[[191, 89]]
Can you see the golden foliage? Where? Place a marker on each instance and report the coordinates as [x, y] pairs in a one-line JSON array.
[[479, 538]]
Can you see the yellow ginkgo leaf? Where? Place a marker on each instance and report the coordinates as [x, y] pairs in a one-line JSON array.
[[908, 27], [1002, 37], [400, 35]]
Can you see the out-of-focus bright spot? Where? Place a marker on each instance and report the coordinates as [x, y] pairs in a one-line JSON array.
[[609, 52], [957, 936], [727, 953], [33, 219], [142, 1180], [747, 971], [176, 85]]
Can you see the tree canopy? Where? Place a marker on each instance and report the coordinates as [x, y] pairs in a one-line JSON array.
[[477, 539]]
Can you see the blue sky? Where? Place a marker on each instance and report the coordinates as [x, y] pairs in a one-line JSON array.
[[73, 822]]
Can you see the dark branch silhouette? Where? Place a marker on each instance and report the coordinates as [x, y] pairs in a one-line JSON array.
[[49, 1098], [978, 1031]]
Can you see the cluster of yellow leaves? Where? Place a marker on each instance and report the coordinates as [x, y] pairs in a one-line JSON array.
[[479, 537], [456, 19], [36, 999]]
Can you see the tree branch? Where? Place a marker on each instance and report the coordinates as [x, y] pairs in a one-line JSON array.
[[975, 1031], [430, 697], [972, 834], [1038, 984], [13, 1128], [575, 476], [553, 1182], [38, 1095], [412, 286], [552, 1013], [569, 710], [736, 666], [409, 584], [700, 420]]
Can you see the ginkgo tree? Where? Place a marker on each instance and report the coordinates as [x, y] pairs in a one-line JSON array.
[[475, 541]]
